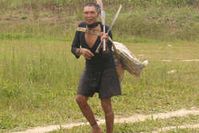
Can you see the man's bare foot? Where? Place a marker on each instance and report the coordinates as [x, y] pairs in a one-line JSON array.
[[96, 130]]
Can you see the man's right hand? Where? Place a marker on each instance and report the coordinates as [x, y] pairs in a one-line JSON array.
[[86, 53]]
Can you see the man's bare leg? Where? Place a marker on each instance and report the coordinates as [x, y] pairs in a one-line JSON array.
[[87, 112], [109, 115]]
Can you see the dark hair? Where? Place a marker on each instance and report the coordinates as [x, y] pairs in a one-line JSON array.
[[97, 7]]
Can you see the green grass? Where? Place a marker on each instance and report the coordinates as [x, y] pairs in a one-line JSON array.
[[39, 79], [36, 79], [16, 3], [184, 131], [155, 19], [39, 75], [146, 126]]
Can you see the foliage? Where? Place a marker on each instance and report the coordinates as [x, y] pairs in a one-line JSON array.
[[152, 19], [38, 74]]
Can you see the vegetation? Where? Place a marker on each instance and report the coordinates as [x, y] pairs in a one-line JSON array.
[[152, 19], [39, 79], [146, 126], [39, 75]]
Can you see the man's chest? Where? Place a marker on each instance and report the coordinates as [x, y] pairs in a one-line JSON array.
[[91, 39]]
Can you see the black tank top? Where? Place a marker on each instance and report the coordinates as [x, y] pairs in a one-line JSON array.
[[99, 61]]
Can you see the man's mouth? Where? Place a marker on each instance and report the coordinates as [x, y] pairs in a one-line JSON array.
[[89, 18]]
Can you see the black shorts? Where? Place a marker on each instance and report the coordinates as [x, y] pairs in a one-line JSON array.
[[106, 83]]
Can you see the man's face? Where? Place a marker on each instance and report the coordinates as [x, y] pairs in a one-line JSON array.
[[90, 14]]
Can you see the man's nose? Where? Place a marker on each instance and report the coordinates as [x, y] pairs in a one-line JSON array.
[[89, 14]]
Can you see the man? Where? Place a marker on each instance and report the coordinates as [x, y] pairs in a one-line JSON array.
[[99, 75]]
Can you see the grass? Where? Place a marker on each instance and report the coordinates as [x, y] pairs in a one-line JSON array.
[[39, 75], [146, 126], [38, 82], [32, 81], [156, 19]]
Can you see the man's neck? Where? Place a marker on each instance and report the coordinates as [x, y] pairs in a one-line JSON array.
[[93, 25]]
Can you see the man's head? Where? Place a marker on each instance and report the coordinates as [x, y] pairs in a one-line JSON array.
[[91, 12]]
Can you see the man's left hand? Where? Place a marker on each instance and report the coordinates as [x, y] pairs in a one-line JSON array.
[[104, 36]]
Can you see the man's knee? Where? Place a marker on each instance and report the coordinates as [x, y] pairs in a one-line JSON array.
[[81, 100]]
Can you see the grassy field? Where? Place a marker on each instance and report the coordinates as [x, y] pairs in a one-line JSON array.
[[166, 20], [38, 82], [39, 75], [147, 126]]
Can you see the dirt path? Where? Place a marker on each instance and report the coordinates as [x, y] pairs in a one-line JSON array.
[[187, 60], [131, 119]]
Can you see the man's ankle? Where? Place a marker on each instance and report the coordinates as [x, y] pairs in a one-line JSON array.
[[95, 125]]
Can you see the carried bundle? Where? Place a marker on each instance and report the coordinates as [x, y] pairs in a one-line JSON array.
[[127, 60]]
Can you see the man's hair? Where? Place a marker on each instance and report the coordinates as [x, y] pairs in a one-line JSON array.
[[97, 7]]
